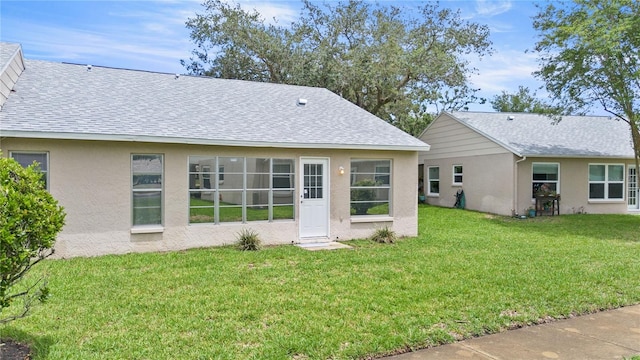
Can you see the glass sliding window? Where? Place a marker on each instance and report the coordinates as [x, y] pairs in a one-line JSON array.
[[248, 189], [202, 192], [232, 192], [457, 174], [283, 189], [146, 179], [545, 179], [433, 178], [41, 159], [370, 187], [258, 185], [606, 182]]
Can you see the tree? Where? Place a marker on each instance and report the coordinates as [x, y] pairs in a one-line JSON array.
[[522, 101], [394, 64], [30, 218], [588, 53]]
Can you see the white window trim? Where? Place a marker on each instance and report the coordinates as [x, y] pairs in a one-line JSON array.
[[606, 182], [454, 173], [428, 184], [557, 182], [377, 217], [147, 228], [272, 192]]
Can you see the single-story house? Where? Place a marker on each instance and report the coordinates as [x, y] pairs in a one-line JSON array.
[[505, 161], [146, 161]]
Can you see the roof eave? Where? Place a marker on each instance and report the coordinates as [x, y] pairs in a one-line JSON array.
[[212, 142], [578, 156]]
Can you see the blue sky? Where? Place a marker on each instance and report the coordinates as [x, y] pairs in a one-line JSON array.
[[150, 35]]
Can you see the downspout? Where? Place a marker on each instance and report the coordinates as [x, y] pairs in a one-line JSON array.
[[515, 184]]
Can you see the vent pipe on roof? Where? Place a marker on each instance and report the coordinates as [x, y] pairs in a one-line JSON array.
[[510, 117], [89, 67], [302, 102], [177, 76]]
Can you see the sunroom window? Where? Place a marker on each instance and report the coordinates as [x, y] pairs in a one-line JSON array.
[[370, 187], [248, 189]]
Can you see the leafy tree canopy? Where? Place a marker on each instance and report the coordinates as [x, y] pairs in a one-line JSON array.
[[526, 101], [588, 52], [394, 64]]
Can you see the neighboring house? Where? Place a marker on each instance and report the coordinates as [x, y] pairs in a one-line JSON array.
[[146, 161], [503, 161]]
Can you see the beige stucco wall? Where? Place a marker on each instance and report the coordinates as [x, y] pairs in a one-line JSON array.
[[92, 180], [488, 170], [574, 186], [487, 182]]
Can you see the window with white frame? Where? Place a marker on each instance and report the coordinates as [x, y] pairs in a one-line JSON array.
[[606, 181], [457, 174], [545, 179], [370, 187], [146, 188], [433, 180], [248, 189], [40, 159]]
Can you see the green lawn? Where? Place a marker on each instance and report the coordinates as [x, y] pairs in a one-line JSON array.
[[467, 274], [233, 213]]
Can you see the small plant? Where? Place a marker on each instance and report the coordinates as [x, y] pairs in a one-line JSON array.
[[248, 240], [384, 235]]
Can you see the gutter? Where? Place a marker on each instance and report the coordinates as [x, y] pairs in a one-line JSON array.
[[214, 142], [515, 183]]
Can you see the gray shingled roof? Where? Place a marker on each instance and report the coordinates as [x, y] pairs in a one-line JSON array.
[[538, 135], [54, 100]]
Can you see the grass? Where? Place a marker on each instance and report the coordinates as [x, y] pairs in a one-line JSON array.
[[466, 274], [233, 213]]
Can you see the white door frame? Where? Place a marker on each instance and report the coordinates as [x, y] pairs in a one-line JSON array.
[[633, 195], [314, 212]]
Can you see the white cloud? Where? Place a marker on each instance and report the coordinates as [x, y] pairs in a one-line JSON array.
[[505, 71], [492, 8], [281, 12]]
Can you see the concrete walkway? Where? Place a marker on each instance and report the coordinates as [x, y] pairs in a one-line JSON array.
[[611, 334]]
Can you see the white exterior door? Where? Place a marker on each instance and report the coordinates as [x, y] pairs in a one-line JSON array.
[[314, 198], [632, 196]]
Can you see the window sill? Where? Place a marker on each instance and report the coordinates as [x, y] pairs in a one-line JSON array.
[[147, 229], [606, 201], [433, 195], [370, 219]]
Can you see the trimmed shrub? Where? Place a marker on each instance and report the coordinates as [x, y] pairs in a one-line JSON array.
[[248, 240], [30, 219]]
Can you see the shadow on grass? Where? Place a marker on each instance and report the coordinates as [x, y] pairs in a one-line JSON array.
[[39, 345]]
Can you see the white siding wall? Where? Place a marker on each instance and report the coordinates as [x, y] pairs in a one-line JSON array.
[[10, 74], [449, 138]]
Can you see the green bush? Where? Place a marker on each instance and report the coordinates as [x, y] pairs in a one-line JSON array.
[[362, 199], [384, 235], [30, 219], [248, 240]]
